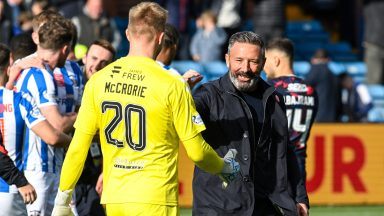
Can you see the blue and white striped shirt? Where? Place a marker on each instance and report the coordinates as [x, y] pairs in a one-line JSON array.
[[62, 87], [17, 110]]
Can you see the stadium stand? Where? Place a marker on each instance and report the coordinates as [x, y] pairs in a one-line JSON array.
[[185, 65], [376, 114], [301, 68], [215, 68], [304, 26], [306, 32], [308, 36], [357, 69], [336, 67]]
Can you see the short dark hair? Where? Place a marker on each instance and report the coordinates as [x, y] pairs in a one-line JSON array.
[[106, 45], [321, 53], [171, 35], [55, 34], [343, 76], [246, 37], [283, 45], [22, 45], [4, 57]]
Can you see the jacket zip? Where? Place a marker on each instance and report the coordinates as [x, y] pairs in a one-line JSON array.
[[253, 129], [249, 111]]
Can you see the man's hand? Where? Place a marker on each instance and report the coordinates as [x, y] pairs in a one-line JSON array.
[[231, 167], [28, 193], [99, 185], [192, 77], [15, 69], [302, 209], [62, 201]]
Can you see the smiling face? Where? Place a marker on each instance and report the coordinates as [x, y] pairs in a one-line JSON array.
[[97, 58], [245, 62]]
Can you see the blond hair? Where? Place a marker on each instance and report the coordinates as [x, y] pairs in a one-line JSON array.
[[147, 19], [43, 17]]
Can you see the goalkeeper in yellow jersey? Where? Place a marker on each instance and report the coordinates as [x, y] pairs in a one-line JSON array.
[[141, 112]]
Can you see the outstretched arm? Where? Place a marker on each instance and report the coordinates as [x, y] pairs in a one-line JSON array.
[[192, 77], [74, 160], [72, 169], [203, 155]]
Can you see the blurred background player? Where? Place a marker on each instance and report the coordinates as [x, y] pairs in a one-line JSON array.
[[355, 99], [140, 149], [326, 85], [300, 98], [168, 53], [43, 163], [20, 111], [21, 46]]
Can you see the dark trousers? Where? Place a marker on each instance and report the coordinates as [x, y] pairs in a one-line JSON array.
[[264, 207], [301, 161], [88, 201]]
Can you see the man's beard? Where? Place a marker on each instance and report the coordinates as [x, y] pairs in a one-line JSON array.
[[244, 86]]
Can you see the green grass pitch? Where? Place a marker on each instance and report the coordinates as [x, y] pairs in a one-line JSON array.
[[330, 211]]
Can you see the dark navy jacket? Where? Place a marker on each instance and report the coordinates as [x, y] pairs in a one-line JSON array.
[[268, 166]]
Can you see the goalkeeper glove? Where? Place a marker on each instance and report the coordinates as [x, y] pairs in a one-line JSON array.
[[62, 201], [231, 168]]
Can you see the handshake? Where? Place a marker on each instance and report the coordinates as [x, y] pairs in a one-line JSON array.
[[231, 168]]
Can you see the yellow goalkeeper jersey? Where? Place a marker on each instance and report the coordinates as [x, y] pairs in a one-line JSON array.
[[141, 111]]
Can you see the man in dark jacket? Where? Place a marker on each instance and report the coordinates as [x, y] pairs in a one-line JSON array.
[[326, 86], [242, 111]]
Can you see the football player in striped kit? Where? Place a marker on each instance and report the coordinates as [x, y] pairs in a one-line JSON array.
[[68, 80], [56, 93], [18, 110]]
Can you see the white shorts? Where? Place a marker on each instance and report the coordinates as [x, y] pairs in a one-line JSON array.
[[12, 204], [46, 186]]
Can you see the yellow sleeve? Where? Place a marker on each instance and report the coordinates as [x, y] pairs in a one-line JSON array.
[[203, 155], [186, 119], [86, 126], [74, 160], [87, 119]]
